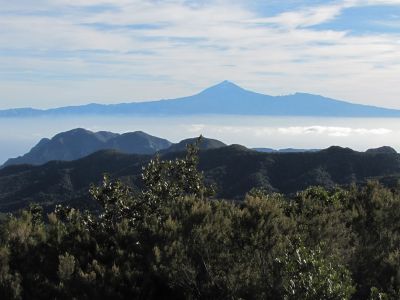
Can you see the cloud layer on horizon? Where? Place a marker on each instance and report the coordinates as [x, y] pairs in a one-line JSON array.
[[64, 52], [317, 130]]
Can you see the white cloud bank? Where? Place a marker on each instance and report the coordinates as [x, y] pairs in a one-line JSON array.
[[298, 136], [331, 131]]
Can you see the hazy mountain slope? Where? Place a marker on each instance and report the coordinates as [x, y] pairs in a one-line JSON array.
[[137, 142], [78, 143], [234, 170], [225, 98]]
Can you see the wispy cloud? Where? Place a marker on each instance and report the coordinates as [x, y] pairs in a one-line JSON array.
[[153, 49]]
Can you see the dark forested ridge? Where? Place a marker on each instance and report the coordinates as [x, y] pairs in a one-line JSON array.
[[233, 170], [167, 240]]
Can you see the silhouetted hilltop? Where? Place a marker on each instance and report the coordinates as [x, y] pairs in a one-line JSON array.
[[205, 144], [382, 150]]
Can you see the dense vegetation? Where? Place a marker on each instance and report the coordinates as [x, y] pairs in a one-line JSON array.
[[172, 240]]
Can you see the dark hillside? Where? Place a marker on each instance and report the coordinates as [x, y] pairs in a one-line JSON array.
[[235, 170]]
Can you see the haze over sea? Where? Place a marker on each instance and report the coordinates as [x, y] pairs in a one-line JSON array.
[[19, 135]]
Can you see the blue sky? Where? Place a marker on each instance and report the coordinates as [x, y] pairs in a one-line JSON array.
[[66, 52]]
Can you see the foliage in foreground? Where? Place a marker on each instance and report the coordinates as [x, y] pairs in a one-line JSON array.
[[172, 240]]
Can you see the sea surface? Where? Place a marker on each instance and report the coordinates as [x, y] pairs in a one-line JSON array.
[[19, 135]]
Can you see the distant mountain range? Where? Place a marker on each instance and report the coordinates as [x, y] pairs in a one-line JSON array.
[[78, 143], [234, 170], [225, 98]]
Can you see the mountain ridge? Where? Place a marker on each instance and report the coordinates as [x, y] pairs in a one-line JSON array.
[[79, 142], [225, 98], [234, 170]]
